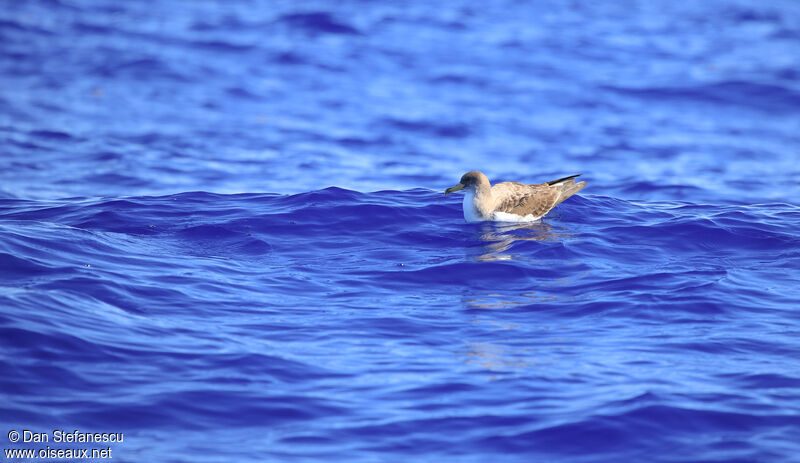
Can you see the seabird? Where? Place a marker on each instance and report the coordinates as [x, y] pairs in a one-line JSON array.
[[511, 201]]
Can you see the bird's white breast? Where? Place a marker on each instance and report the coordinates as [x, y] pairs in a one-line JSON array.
[[470, 211], [506, 217]]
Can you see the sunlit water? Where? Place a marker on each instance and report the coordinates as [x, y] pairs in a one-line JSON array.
[[223, 230]]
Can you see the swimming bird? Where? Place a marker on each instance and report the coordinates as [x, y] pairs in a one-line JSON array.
[[511, 201]]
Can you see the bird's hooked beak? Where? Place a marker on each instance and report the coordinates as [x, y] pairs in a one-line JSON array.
[[452, 189]]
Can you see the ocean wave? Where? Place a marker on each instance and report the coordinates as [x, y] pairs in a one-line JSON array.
[[767, 96], [213, 288]]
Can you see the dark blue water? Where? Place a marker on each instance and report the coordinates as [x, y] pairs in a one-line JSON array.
[[223, 233]]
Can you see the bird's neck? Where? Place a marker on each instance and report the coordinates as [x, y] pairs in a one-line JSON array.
[[478, 204]]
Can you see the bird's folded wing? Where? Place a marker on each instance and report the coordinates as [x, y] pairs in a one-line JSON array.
[[525, 200]]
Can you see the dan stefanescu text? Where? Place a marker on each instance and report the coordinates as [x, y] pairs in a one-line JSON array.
[[59, 435]]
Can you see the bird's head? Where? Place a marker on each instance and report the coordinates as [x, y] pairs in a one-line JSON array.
[[470, 180]]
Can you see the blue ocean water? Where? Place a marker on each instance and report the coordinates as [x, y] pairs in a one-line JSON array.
[[223, 233]]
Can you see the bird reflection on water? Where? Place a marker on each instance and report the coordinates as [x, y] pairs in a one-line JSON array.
[[516, 348], [497, 240], [507, 346], [499, 237]]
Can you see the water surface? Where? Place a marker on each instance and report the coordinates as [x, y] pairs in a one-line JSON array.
[[223, 233]]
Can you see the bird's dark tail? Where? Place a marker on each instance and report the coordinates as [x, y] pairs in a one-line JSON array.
[[567, 187], [563, 179]]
